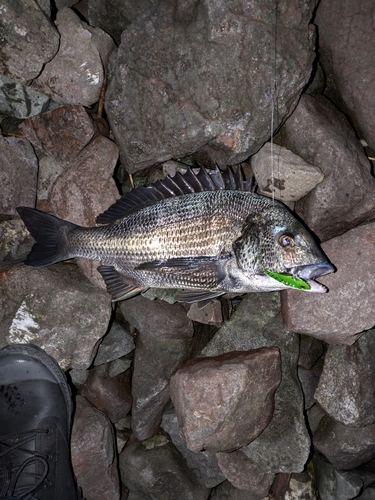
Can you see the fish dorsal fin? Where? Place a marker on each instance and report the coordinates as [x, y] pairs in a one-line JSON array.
[[178, 185]]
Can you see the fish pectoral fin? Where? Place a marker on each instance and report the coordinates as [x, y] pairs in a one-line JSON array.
[[201, 296], [203, 264], [116, 284]]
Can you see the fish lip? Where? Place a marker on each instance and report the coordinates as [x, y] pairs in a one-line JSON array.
[[312, 271]]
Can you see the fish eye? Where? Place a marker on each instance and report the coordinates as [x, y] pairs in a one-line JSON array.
[[286, 241]]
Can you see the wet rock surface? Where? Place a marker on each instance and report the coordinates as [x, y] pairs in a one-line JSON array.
[[207, 81]]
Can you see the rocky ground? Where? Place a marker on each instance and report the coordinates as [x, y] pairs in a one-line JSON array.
[[270, 395]]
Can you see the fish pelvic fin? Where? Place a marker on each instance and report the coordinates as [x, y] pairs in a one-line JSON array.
[[51, 235], [116, 284]]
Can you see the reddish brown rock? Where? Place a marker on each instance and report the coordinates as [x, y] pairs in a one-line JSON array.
[[245, 474], [339, 316], [347, 53], [94, 453], [18, 174], [111, 395], [225, 402], [61, 134], [75, 75], [323, 137]]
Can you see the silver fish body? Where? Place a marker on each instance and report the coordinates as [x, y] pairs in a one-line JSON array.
[[208, 237]]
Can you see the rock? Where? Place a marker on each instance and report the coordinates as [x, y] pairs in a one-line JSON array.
[[111, 395], [225, 402], [79, 377], [49, 171], [344, 446], [33, 309], [118, 366], [314, 416], [204, 463], [75, 75], [281, 173], [245, 474], [61, 134], [368, 494], [211, 90], [211, 314], [163, 344], [310, 350], [94, 453], [284, 445], [15, 240], [349, 374], [322, 136], [226, 491], [155, 469], [301, 487], [18, 175], [309, 381], [347, 53], [334, 317], [117, 343], [333, 484], [20, 101], [29, 39], [116, 15]]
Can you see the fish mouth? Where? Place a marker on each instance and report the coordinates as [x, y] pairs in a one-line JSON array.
[[303, 277], [309, 272]]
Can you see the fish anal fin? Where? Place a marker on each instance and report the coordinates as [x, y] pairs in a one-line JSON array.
[[203, 297], [117, 285]]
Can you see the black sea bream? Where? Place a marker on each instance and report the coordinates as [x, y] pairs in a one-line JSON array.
[[203, 234]]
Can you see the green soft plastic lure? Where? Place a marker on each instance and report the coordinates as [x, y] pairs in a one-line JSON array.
[[289, 280]]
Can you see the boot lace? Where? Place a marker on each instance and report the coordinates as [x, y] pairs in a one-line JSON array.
[[10, 474]]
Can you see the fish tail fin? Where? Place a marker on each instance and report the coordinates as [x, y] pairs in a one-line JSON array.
[[51, 235]]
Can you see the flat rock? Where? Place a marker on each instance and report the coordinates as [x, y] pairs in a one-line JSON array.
[[155, 469], [245, 474], [111, 395], [117, 343], [33, 305], [204, 463], [323, 137], [94, 453], [211, 91], [225, 402], [282, 174], [349, 374], [347, 53], [344, 446], [211, 314], [163, 344], [75, 75], [28, 39], [18, 175], [284, 446], [335, 317]]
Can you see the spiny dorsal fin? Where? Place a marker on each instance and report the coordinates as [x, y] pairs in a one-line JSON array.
[[178, 185]]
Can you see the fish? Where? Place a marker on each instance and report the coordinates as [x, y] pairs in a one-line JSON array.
[[203, 234]]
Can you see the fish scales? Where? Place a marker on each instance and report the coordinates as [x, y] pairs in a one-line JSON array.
[[204, 234]]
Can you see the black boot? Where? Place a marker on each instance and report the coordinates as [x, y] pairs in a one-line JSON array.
[[35, 421]]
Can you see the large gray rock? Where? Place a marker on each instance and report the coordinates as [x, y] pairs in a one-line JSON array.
[[94, 453], [18, 174], [345, 447], [117, 343], [349, 374], [323, 137], [201, 77], [225, 402], [20, 101], [347, 53], [33, 309], [28, 39], [204, 463], [75, 75], [284, 445], [335, 317], [163, 344], [155, 469]]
